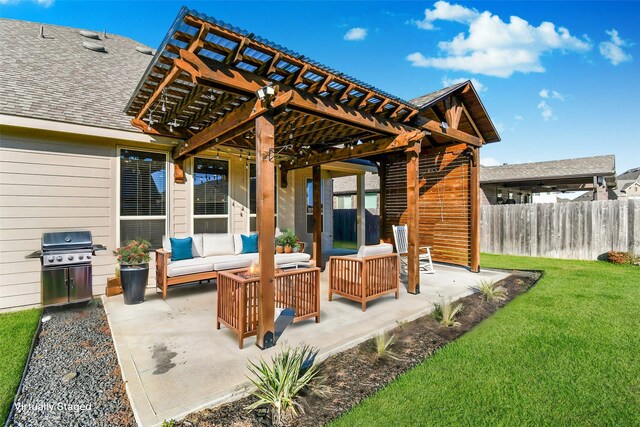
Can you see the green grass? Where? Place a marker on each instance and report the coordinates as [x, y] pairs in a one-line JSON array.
[[338, 244], [16, 334], [567, 352]]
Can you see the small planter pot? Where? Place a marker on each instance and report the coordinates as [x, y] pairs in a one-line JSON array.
[[279, 249], [287, 249], [133, 279]]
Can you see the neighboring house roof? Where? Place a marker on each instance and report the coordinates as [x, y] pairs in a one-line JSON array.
[[627, 179], [56, 78], [348, 184], [555, 169]]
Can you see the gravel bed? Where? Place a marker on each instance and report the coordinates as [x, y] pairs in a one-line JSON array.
[[73, 378]]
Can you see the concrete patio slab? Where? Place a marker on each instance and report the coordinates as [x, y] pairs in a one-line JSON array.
[[175, 362]]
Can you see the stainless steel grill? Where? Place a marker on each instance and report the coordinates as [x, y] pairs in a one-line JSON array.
[[66, 266]]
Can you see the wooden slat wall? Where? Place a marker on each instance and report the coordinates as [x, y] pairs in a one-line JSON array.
[[445, 222]]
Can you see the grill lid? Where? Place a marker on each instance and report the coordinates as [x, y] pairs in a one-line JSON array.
[[66, 240]]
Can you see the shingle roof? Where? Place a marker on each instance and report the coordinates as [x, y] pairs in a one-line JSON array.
[[586, 166], [56, 78], [627, 179], [429, 98]]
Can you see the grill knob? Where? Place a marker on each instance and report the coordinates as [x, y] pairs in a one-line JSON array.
[[80, 256], [70, 257], [59, 258], [50, 259], [88, 256]]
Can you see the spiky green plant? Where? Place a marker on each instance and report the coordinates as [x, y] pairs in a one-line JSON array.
[[445, 312], [383, 344], [280, 382], [491, 291]]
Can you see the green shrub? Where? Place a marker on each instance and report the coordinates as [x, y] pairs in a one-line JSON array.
[[445, 312], [383, 344], [169, 423], [491, 290], [280, 383]]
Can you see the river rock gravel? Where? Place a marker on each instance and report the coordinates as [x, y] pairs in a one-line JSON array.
[[73, 378]]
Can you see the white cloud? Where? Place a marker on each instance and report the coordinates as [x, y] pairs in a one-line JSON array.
[[492, 46], [519, 117], [356, 34], [612, 50], [43, 3], [489, 161], [547, 111], [445, 12], [551, 94], [480, 87]]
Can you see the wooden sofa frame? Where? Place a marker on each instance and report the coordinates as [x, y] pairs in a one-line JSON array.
[[364, 279], [163, 281]]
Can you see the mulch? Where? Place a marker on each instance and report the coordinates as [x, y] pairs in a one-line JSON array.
[[357, 373]]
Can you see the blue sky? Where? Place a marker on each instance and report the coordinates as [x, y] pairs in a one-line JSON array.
[[559, 79]]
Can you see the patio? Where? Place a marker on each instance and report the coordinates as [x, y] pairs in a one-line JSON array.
[[175, 362]]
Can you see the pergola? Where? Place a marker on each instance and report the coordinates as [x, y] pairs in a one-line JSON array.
[[212, 85]]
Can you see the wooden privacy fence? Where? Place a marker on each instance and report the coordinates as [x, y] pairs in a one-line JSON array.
[[344, 226], [584, 230]]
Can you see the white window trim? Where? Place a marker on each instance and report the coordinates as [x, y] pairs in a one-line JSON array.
[[167, 196], [222, 158], [254, 215]]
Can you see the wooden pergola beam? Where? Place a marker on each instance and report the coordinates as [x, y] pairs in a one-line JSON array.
[[230, 126], [474, 194], [365, 149], [413, 218], [437, 129]]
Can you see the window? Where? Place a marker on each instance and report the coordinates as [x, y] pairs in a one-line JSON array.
[[143, 196], [371, 201], [344, 202], [310, 206], [210, 195], [253, 204]]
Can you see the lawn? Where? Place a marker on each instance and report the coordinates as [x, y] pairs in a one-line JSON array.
[[565, 353], [339, 244], [16, 334]]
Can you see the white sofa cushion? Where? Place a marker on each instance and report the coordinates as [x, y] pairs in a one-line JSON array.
[[372, 250], [292, 257], [229, 262], [217, 244], [188, 266], [196, 247]]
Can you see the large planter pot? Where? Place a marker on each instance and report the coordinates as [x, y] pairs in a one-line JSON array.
[[133, 279]]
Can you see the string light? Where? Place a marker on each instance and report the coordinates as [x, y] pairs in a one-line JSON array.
[[164, 101]]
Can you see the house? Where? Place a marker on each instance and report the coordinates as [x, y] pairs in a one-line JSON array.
[[628, 184], [103, 134], [543, 181]]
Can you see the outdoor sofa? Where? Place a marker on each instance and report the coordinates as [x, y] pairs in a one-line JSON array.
[[210, 253], [372, 273]]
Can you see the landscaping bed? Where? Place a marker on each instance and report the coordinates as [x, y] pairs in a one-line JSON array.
[[355, 374], [73, 377]]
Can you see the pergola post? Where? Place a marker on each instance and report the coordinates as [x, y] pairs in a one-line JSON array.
[[265, 184], [413, 219], [474, 195], [317, 216], [361, 214]]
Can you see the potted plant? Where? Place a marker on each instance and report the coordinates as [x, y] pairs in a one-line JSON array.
[[289, 239], [134, 258], [279, 244]]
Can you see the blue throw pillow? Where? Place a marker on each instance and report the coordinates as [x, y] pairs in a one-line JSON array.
[[249, 243], [181, 248]]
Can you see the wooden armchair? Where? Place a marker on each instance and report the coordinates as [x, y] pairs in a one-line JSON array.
[[365, 278]]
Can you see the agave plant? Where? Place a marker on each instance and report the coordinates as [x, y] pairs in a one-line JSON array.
[[383, 344], [279, 383], [445, 312], [491, 291]]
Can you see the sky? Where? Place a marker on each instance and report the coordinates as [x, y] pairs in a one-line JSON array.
[[559, 79]]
